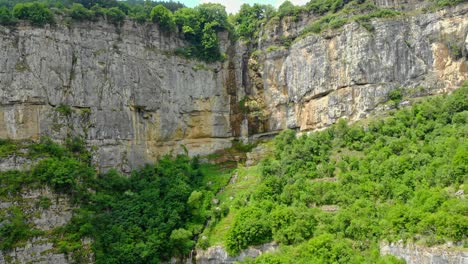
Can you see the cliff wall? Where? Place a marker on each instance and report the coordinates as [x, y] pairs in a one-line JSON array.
[[348, 73], [125, 90]]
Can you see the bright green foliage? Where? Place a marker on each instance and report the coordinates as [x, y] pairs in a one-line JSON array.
[[292, 225], [62, 174], [6, 17], [393, 179], [251, 227], [181, 242], [35, 12], [200, 27], [164, 17], [324, 249], [249, 19]]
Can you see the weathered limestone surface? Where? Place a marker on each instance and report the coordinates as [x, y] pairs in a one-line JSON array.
[[348, 73], [414, 254], [129, 95], [125, 91], [218, 255], [57, 214], [122, 87]]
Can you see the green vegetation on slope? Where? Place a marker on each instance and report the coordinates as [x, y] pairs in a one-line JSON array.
[[333, 196], [154, 214]]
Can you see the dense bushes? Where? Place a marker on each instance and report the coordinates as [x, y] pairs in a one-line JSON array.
[[6, 17], [356, 186], [14, 228], [146, 218], [200, 26], [35, 12], [250, 18], [164, 17]]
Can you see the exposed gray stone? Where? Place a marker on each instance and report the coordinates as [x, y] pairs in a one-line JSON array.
[[414, 254]]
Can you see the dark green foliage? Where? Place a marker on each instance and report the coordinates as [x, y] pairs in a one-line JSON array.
[[396, 96], [444, 3], [64, 110], [79, 12], [164, 17], [14, 228], [200, 27], [115, 15], [325, 6], [147, 218], [37, 13], [288, 9], [6, 17]]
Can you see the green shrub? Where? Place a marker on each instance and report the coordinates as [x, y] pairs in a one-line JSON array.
[[6, 17], [288, 9], [251, 227], [164, 17], [115, 15], [37, 13], [79, 12], [14, 228]]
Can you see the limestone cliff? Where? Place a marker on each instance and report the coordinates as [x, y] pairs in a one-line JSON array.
[[128, 94], [349, 72], [122, 88]]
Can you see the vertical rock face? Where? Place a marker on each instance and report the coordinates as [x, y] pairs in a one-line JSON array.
[[55, 214], [348, 73], [122, 88], [128, 94], [218, 255], [413, 254]]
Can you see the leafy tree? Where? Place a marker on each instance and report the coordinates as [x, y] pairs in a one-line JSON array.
[[251, 227], [164, 17], [37, 13], [287, 8], [181, 241], [115, 15], [6, 18], [79, 12], [249, 19]]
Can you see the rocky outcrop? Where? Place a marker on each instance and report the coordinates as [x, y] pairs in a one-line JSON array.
[[347, 73], [218, 255], [414, 254], [122, 88], [45, 211]]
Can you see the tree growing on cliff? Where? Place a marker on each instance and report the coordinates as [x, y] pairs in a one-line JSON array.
[[37, 13], [164, 17], [6, 18]]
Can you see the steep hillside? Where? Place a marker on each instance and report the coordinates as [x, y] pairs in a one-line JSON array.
[[333, 196], [93, 97]]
